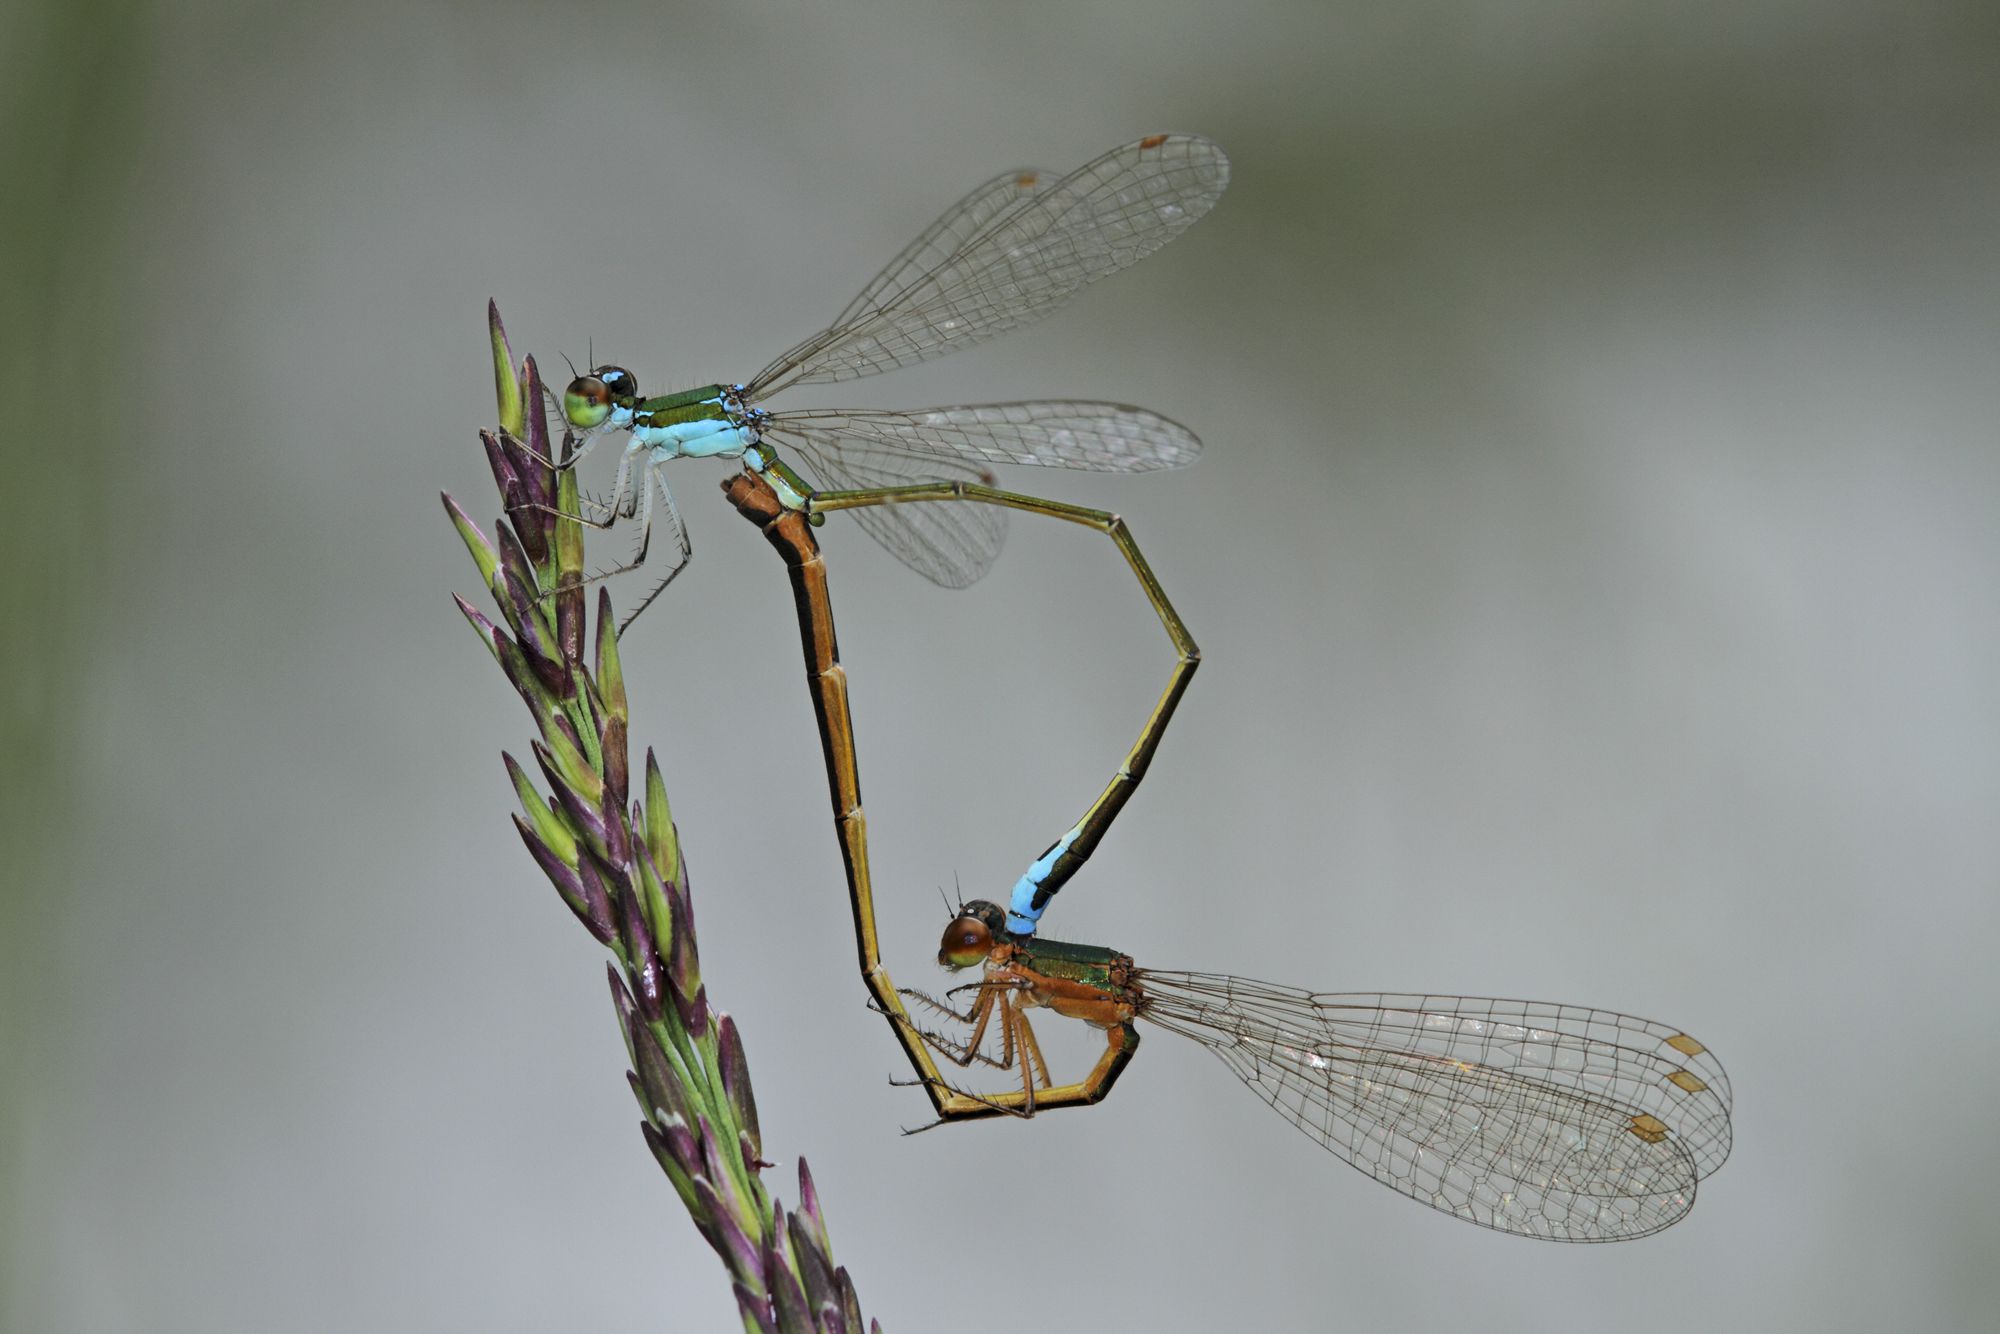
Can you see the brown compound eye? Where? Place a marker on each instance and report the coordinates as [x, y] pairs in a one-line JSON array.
[[967, 941]]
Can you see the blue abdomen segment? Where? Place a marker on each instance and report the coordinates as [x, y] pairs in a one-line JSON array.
[[1026, 903]]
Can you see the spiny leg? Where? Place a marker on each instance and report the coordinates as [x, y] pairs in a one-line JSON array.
[[624, 503], [623, 499], [1028, 1054], [960, 1103], [979, 990], [1018, 1047], [1031, 1056], [683, 548], [578, 446], [962, 1056], [976, 1019]]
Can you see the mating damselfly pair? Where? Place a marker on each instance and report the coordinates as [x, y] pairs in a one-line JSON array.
[[1552, 1121]]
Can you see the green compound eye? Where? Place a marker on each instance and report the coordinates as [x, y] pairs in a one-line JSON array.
[[590, 398], [587, 402]]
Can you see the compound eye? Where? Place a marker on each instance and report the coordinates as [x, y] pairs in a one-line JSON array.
[[587, 401], [621, 382], [967, 941]]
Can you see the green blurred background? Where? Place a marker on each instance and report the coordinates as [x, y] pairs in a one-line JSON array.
[[1594, 558]]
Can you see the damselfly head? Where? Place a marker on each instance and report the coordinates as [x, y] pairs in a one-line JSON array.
[[592, 398], [967, 942]]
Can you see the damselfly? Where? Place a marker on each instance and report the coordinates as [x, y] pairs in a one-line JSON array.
[[1548, 1120], [1552, 1121], [1011, 252]]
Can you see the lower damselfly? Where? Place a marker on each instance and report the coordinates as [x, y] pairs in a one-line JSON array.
[[1012, 251], [1561, 1122], [788, 531], [1548, 1120]]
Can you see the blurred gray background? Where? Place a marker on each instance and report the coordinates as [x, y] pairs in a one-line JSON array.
[[1594, 558]]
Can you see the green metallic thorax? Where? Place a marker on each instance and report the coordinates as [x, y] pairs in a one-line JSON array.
[[1092, 965], [690, 405]]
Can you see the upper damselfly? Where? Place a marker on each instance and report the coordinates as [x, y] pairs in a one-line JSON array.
[[1012, 251]]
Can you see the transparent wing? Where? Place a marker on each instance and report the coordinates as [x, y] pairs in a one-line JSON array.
[[944, 239], [952, 543], [1552, 1121], [1013, 265], [1098, 437]]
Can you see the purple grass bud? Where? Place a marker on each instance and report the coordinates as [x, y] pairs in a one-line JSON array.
[[570, 623], [583, 816], [684, 965], [652, 893], [694, 1011], [568, 747], [682, 1183], [662, 839], [505, 461], [815, 1269], [809, 1212], [611, 815], [525, 682], [642, 960], [553, 831], [506, 386], [682, 1143], [566, 537], [538, 643], [598, 916], [740, 1250], [492, 635], [736, 1084], [548, 826], [617, 889], [662, 1098], [611, 744], [563, 762], [748, 1210], [569, 882], [482, 551], [514, 560], [537, 475], [621, 1001], [608, 670], [788, 1298], [850, 1302], [756, 1311]]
